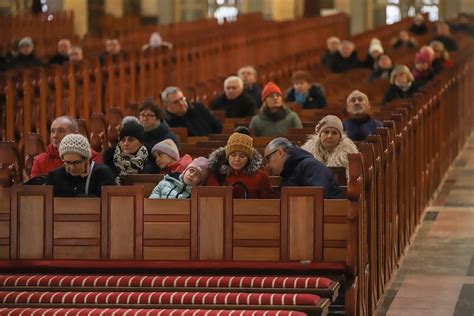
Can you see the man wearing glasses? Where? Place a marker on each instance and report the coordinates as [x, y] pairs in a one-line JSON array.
[[50, 160], [194, 116], [79, 176], [297, 167]]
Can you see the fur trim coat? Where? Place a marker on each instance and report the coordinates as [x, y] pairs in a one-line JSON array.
[[249, 182], [335, 158]]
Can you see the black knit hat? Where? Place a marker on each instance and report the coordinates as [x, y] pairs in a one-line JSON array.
[[133, 129]]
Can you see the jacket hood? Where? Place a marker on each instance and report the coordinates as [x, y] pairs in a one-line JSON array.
[[336, 157], [219, 164]]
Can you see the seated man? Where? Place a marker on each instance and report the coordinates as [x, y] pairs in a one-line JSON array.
[[194, 116], [80, 176], [298, 167], [443, 34], [112, 51], [248, 74], [76, 55], [26, 56], [332, 45], [50, 159], [234, 101], [346, 59], [360, 124], [62, 56]]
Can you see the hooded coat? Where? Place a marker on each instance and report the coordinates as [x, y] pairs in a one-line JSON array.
[[171, 187], [249, 182], [337, 157], [302, 169]]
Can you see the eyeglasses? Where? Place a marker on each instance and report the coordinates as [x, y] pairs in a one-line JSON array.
[[73, 163], [267, 157], [147, 115]]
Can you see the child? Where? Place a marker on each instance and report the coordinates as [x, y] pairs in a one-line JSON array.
[[167, 157], [238, 165], [422, 71], [178, 186], [310, 95]]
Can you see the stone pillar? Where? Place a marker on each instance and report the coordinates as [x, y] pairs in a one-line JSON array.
[[80, 9]]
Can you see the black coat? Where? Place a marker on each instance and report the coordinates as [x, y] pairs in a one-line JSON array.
[[315, 99], [448, 42], [58, 59], [302, 169], [368, 62], [24, 61], [418, 29], [242, 106], [379, 73], [198, 120], [359, 129], [340, 64], [399, 44], [327, 58], [394, 92], [66, 185], [159, 134], [256, 93]]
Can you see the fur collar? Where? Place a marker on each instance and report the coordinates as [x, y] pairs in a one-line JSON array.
[[335, 158], [219, 165]]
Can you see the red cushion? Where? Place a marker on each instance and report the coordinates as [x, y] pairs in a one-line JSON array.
[[140, 312], [152, 298], [164, 281]]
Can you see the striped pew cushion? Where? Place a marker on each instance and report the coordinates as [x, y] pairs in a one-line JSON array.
[[91, 281], [158, 298], [140, 312]]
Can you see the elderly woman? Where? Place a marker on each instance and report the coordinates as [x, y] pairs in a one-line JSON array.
[[402, 84], [130, 155], [238, 164], [274, 118], [329, 144]]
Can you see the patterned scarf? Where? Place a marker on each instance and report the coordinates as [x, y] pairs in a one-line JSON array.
[[129, 164]]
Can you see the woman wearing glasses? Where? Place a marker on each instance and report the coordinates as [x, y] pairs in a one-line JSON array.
[[238, 165], [274, 118]]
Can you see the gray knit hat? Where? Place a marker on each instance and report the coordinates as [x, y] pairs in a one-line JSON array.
[[75, 144]]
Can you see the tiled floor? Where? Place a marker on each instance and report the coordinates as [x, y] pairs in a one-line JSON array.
[[436, 276]]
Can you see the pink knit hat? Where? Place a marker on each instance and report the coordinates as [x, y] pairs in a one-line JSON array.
[[166, 147], [200, 164]]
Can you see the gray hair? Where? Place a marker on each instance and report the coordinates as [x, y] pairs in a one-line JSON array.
[[168, 91], [280, 142], [234, 78], [356, 91], [248, 66], [130, 118], [73, 127]]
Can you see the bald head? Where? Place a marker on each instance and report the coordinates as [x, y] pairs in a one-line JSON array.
[[357, 103]]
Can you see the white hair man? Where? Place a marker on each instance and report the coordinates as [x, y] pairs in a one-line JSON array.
[[234, 101]]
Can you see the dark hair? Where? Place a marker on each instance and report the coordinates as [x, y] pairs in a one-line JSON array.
[[149, 104], [242, 130], [301, 75]]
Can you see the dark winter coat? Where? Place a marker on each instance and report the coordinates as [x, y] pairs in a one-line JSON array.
[[448, 42], [394, 92], [25, 61], [418, 29], [242, 106], [249, 182], [327, 58], [379, 73], [340, 64], [159, 134], [302, 169], [256, 93], [58, 59], [108, 156], [314, 100], [359, 129], [66, 185], [198, 120]]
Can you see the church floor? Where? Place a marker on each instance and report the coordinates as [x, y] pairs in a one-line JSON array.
[[436, 277]]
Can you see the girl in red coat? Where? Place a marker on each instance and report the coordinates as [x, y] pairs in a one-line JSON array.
[[238, 165]]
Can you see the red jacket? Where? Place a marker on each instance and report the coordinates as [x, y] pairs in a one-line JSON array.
[[50, 160], [178, 166], [257, 185]]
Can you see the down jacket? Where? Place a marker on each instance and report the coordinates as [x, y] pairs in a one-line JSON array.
[[337, 157], [171, 187]]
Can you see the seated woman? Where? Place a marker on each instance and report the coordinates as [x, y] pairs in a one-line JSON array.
[[375, 51], [130, 155], [441, 57], [422, 71], [310, 95], [179, 185], [404, 40], [238, 165], [274, 118], [382, 68], [402, 85], [166, 155], [329, 144], [79, 175]]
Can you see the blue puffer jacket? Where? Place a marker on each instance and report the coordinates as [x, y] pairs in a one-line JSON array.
[[171, 187]]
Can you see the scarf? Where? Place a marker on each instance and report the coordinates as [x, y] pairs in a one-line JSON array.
[[129, 164], [279, 115], [300, 97]]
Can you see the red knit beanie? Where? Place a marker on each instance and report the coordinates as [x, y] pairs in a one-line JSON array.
[[422, 58], [270, 88]]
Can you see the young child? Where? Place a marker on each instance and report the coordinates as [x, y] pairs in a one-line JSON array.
[[167, 157], [178, 186], [238, 165], [310, 95], [422, 71]]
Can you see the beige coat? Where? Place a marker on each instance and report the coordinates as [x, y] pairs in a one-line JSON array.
[[335, 158]]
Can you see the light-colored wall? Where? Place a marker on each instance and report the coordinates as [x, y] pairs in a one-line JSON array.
[[467, 6], [113, 7], [79, 7]]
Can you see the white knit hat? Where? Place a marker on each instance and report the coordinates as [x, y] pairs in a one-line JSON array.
[[75, 144], [375, 46], [329, 121]]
